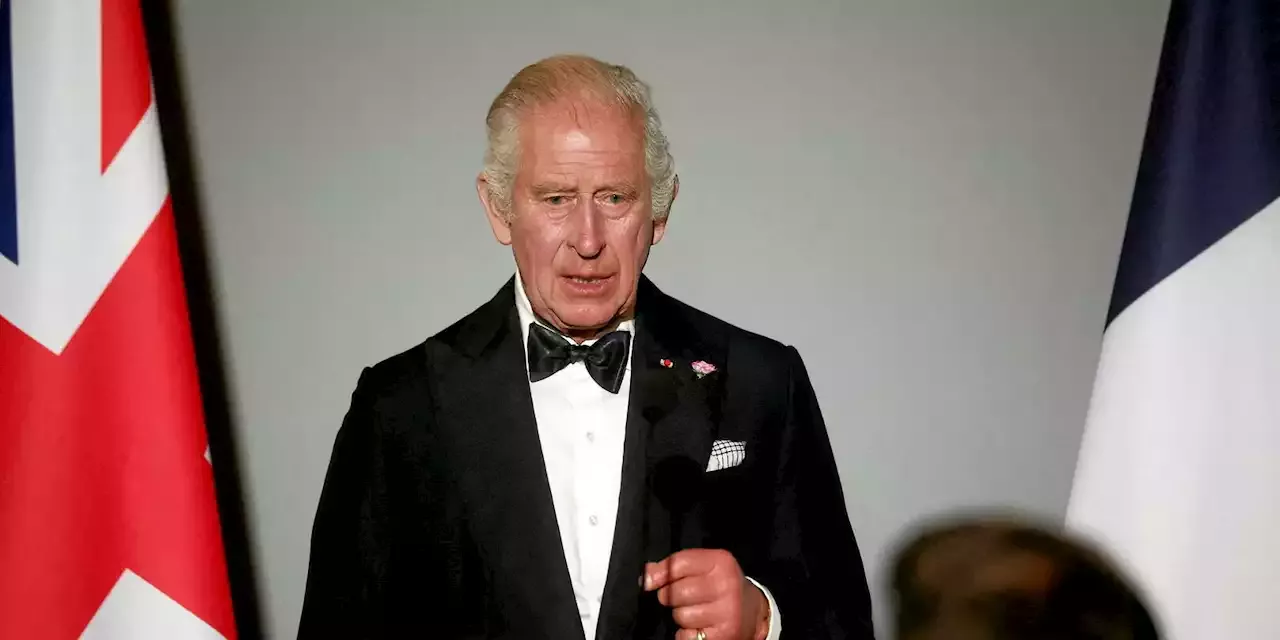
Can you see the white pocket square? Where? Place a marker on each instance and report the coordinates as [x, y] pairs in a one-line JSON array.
[[726, 454]]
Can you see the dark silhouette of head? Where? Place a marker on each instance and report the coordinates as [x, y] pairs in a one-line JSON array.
[[997, 579]]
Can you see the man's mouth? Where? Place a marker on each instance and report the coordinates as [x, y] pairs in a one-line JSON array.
[[588, 279]]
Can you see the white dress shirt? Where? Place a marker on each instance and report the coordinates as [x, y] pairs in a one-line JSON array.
[[582, 428]]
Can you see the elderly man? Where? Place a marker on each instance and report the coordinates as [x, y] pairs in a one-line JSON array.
[[583, 456]]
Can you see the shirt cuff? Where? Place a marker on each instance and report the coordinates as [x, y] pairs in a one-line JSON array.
[[775, 617]]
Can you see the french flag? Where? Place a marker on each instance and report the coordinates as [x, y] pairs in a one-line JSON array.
[[108, 523], [1179, 471]]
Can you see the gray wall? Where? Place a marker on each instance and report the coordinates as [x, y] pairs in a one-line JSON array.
[[927, 199]]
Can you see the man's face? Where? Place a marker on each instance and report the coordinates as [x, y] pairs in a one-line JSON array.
[[581, 222]]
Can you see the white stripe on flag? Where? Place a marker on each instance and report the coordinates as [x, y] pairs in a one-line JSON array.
[[1179, 471], [136, 610], [76, 224]]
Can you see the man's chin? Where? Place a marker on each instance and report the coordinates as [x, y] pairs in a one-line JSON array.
[[579, 323], [590, 326]]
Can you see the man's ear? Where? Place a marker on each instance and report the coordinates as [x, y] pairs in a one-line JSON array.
[[497, 221], [660, 226]]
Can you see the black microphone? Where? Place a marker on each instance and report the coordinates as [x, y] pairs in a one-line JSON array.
[[677, 483]]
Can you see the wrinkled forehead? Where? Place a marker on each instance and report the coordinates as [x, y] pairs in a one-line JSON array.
[[582, 139], [582, 116]]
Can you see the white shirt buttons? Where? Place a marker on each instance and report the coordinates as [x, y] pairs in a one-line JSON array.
[[582, 429]]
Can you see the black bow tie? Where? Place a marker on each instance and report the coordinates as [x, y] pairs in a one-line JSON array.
[[606, 360]]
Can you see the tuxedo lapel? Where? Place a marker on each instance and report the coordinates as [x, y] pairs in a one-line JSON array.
[[671, 414], [686, 431], [487, 411]]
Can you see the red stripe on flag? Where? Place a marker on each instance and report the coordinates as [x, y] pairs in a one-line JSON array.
[[126, 74], [102, 462]]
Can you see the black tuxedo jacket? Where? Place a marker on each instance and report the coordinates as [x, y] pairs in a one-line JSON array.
[[436, 519]]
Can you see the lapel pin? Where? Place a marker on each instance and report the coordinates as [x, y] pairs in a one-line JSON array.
[[702, 368], [666, 363]]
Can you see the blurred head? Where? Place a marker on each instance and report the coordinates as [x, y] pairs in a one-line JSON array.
[[1000, 580], [579, 182]]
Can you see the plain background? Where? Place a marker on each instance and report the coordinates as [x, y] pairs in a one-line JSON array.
[[926, 198]]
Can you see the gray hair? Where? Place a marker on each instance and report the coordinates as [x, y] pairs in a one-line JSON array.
[[573, 76]]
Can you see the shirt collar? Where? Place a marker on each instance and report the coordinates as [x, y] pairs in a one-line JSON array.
[[527, 316]]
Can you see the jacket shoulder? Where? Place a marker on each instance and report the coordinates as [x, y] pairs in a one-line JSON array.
[[739, 342], [760, 370], [411, 366], [401, 375]]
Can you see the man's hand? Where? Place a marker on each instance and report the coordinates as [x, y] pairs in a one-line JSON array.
[[708, 593]]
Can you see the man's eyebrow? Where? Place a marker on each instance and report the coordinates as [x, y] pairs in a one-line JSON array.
[[621, 187], [543, 188], [551, 187]]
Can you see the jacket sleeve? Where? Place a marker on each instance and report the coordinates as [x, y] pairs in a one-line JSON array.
[[349, 540], [817, 577]]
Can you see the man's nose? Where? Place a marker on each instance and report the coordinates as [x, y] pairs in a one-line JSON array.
[[587, 232]]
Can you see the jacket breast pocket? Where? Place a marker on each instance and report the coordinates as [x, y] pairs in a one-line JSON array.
[[730, 505]]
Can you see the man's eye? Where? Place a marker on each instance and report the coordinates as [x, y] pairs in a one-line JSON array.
[[614, 198], [556, 200]]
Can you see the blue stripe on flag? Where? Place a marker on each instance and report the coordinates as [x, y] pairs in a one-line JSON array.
[[1211, 159], [8, 178]]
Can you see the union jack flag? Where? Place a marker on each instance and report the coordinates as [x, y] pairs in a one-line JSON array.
[[108, 527]]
